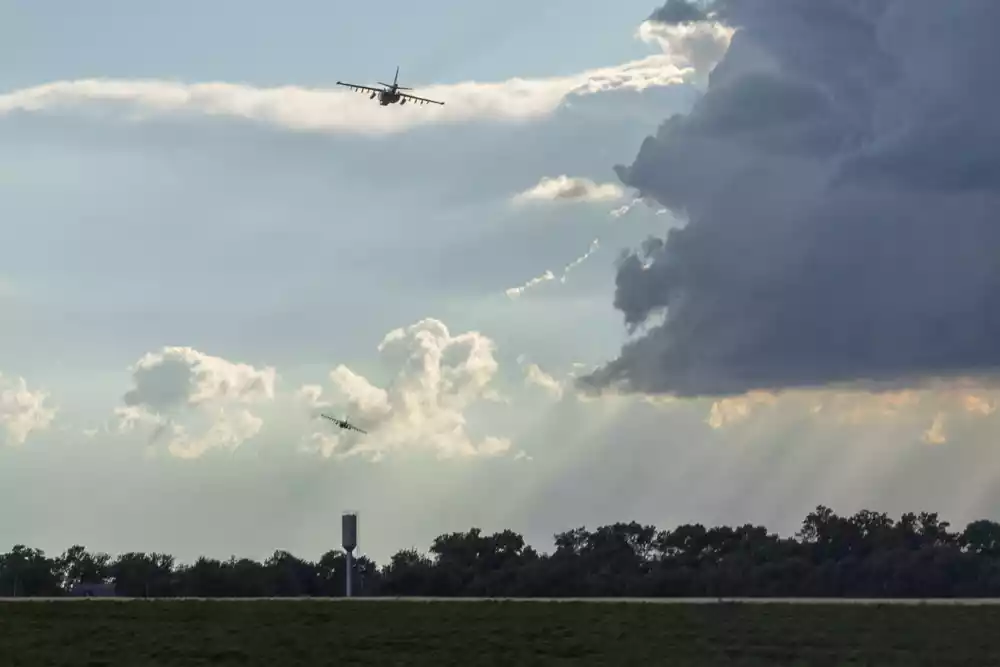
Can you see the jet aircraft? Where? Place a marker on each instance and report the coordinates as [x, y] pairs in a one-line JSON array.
[[389, 94], [344, 424]]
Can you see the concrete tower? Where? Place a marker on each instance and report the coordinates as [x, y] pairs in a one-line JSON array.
[[349, 540]]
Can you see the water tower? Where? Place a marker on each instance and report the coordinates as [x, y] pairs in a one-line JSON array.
[[349, 540]]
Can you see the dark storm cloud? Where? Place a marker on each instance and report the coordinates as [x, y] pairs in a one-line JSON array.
[[841, 180], [679, 11]]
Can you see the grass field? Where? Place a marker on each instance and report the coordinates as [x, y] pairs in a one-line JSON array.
[[511, 634]]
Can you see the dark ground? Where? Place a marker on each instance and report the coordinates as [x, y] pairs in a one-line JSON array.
[[511, 634]]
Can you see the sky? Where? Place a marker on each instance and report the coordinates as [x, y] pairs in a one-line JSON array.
[[714, 264]]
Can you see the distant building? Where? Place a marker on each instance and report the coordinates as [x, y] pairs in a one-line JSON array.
[[93, 591]]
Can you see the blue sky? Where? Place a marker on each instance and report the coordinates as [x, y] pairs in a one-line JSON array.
[[310, 42], [190, 274]]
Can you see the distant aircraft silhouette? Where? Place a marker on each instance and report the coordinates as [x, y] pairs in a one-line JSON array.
[[344, 424], [390, 93]]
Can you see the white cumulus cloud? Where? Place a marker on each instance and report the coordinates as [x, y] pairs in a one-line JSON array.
[[535, 376], [565, 188], [194, 401], [182, 376], [697, 46], [22, 410], [437, 378]]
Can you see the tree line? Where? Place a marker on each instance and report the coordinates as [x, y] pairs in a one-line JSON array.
[[864, 555]]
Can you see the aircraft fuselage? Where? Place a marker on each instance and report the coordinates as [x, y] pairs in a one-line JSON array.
[[387, 97]]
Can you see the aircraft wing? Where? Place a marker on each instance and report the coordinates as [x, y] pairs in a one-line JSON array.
[[354, 86], [352, 427], [420, 99]]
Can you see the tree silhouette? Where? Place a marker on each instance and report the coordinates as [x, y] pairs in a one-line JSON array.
[[865, 555]]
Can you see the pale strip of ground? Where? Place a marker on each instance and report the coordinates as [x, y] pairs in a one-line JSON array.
[[609, 600]]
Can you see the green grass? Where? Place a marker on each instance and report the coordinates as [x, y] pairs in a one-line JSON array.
[[511, 634]]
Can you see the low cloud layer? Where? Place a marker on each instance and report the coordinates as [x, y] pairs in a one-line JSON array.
[[840, 180], [23, 411], [339, 110], [569, 189], [928, 414]]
